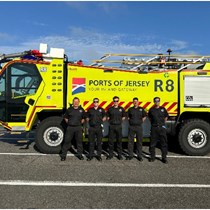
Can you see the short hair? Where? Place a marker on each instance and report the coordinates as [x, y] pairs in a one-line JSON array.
[[96, 99], [76, 98], [156, 98], [135, 98], [116, 97]]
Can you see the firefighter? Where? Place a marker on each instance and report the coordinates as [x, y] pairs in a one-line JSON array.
[[95, 117], [158, 115], [74, 117], [136, 116], [115, 116]]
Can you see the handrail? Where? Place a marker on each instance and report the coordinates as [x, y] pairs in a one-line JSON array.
[[134, 61], [153, 55]]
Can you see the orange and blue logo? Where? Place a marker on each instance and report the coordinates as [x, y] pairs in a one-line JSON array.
[[78, 85]]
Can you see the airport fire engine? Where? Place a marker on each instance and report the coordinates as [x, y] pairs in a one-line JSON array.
[[37, 86]]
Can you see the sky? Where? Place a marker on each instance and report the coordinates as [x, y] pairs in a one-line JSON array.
[[87, 30]]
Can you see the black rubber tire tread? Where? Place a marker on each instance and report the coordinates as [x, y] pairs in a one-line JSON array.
[[184, 131], [39, 141]]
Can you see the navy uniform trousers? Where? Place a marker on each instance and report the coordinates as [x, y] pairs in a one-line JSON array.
[[71, 132]]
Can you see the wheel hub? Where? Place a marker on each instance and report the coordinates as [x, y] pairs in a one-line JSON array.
[[197, 138], [53, 136]]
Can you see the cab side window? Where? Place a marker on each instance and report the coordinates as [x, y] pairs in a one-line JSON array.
[[25, 79]]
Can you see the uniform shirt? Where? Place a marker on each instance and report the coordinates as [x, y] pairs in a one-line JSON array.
[[157, 116], [115, 115], [135, 115], [95, 116], [74, 116]]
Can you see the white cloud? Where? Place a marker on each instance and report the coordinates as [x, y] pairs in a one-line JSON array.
[[7, 37], [110, 7], [87, 44], [178, 45], [106, 7], [77, 5], [39, 24]]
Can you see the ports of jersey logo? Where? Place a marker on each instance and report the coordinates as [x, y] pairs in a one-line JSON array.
[[78, 85]]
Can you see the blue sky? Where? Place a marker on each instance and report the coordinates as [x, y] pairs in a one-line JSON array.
[[87, 30]]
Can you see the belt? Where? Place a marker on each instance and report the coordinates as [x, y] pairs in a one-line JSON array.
[[157, 125], [74, 125], [95, 126]]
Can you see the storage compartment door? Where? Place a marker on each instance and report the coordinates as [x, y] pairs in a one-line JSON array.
[[197, 91]]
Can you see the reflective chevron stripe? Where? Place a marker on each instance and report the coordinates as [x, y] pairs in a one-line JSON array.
[[171, 107]]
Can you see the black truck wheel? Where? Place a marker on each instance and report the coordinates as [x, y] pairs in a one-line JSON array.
[[49, 135], [194, 137]]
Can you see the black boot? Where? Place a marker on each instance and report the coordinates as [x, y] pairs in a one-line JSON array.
[[139, 158], [119, 157], [129, 158], [152, 159], [63, 158], [89, 158], [109, 157], [99, 158], [164, 160], [80, 157]]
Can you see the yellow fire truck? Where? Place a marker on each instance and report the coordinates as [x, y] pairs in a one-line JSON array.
[[36, 87]]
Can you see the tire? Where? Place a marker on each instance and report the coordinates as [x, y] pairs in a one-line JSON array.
[[194, 137], [49, 135]]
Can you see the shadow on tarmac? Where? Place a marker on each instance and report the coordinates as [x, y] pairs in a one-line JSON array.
[[24, 141]]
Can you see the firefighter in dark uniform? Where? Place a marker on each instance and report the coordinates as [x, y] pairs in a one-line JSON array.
[[158, 115], [74, 117], [95, 117], [115, 116], [136, 116]]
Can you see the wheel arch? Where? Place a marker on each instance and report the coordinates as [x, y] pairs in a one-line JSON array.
[[185, 116]]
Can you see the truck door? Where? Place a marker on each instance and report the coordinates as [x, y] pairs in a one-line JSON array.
[[22, 79]]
